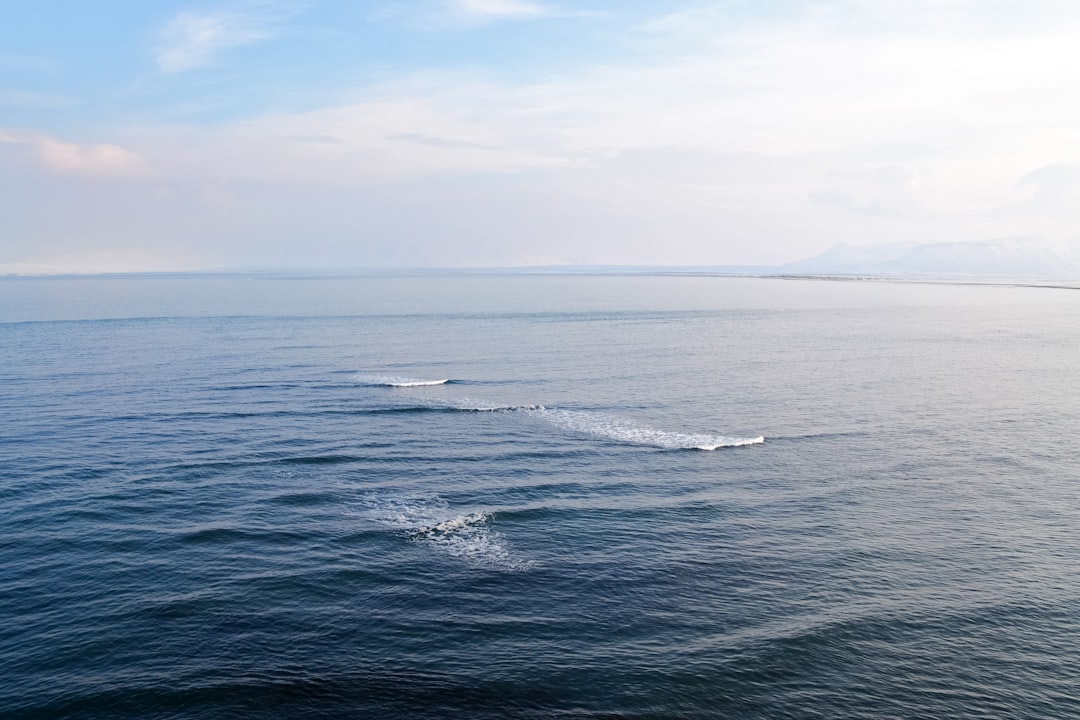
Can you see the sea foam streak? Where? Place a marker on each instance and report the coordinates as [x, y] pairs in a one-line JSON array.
[[474, 405], [597, 425], [400, 382], [430, 521], [610, 428]]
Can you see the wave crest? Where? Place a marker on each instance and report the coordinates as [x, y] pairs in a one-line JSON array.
[[398, 382], [606, 427], [474, 405]]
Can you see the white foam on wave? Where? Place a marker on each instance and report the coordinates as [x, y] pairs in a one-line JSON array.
[[474, 405], [597, 425], [429, 520], [398, 382], [620, 430]]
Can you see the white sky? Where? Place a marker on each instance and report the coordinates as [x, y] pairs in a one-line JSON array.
[[505, 132]]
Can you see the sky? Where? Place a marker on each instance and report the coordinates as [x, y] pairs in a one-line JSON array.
[[229, 134]]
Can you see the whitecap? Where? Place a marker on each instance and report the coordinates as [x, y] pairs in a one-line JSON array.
[[430, 521], [606, 427], [397, 382], [474, 405]]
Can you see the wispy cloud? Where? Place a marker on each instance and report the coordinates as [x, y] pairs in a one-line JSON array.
[[435, 141], [103, 159], [729, 139], [192, 40], [484, 10], [456, 14], [884, 190]]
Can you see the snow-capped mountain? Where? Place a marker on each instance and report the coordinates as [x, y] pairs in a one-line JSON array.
[[1014, 258]]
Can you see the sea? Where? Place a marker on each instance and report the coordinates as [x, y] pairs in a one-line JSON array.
[[537, 496]]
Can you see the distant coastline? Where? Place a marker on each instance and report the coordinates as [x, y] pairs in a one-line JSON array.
[[769, 273], [1008, 261]]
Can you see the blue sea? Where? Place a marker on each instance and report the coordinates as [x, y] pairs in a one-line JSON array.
[[537, 496]]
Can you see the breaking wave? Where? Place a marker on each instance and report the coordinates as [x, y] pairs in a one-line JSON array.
[[430, 521], [593, 424], [606, 427], [474, 405], [398, 382]]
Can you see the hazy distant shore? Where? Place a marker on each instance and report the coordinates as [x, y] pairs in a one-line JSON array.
[[644, 271]]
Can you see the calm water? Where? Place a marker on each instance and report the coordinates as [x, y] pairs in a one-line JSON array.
[[223, 497]]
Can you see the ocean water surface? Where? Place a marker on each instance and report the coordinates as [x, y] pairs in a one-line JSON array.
[[537, 497]]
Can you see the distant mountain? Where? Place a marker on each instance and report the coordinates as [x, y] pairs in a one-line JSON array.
[[1018, 259]]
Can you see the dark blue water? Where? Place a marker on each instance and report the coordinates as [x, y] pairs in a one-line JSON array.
[[231, 498]]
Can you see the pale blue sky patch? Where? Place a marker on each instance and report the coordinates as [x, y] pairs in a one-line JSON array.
[[25, 64], [22, 99]]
